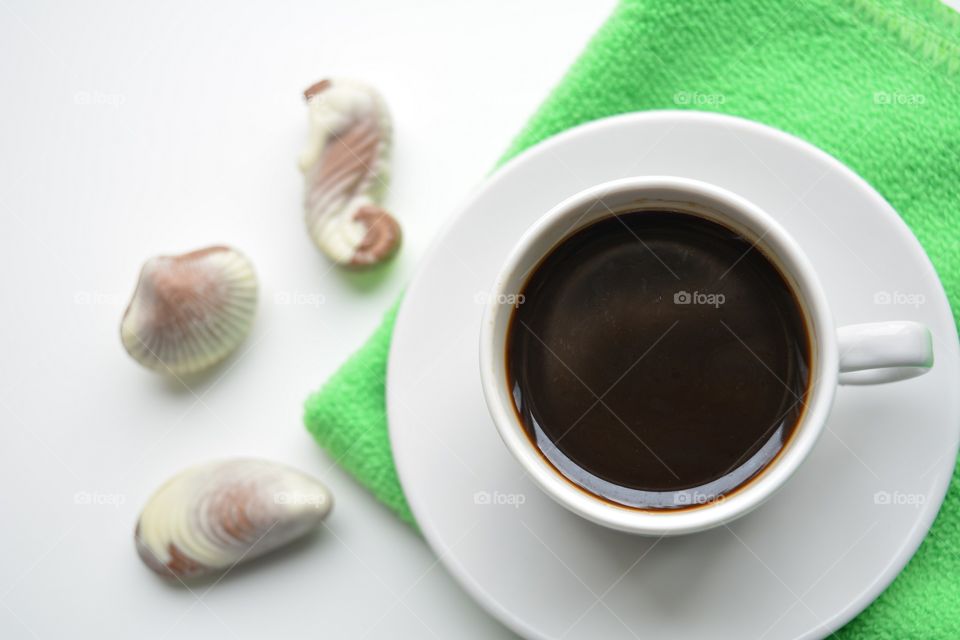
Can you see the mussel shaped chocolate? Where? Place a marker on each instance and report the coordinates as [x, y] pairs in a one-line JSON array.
[[209, 518]]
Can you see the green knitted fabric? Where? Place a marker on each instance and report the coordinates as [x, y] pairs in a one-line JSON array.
[[874, 84]]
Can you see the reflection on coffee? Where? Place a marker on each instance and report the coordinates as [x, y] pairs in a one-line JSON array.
[[659, 360]]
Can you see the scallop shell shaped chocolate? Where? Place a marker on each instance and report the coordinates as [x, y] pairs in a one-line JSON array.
[[211, 517], [190, 311], [346, 167]]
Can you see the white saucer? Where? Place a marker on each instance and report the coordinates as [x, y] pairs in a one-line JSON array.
[[800, 566]]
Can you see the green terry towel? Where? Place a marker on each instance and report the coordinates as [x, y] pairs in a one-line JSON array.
[[873, 83]]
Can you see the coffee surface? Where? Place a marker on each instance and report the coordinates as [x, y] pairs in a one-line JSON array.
[[658, 360]]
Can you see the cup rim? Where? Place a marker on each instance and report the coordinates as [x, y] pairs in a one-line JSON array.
[[733, 211]]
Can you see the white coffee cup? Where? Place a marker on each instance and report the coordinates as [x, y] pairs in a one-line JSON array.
[[869, 353]]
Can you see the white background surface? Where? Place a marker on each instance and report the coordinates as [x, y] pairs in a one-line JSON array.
[[133, 130]]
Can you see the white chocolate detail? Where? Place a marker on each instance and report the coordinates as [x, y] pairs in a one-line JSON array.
[[346, 169], [210, 517], [190, 311]]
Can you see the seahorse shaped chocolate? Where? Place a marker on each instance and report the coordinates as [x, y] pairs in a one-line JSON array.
[[346, 169]]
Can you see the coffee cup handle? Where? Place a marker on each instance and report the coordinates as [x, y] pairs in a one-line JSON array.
[[878, 352]]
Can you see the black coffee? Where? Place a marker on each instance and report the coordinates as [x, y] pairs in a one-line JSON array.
[[658, 360]]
